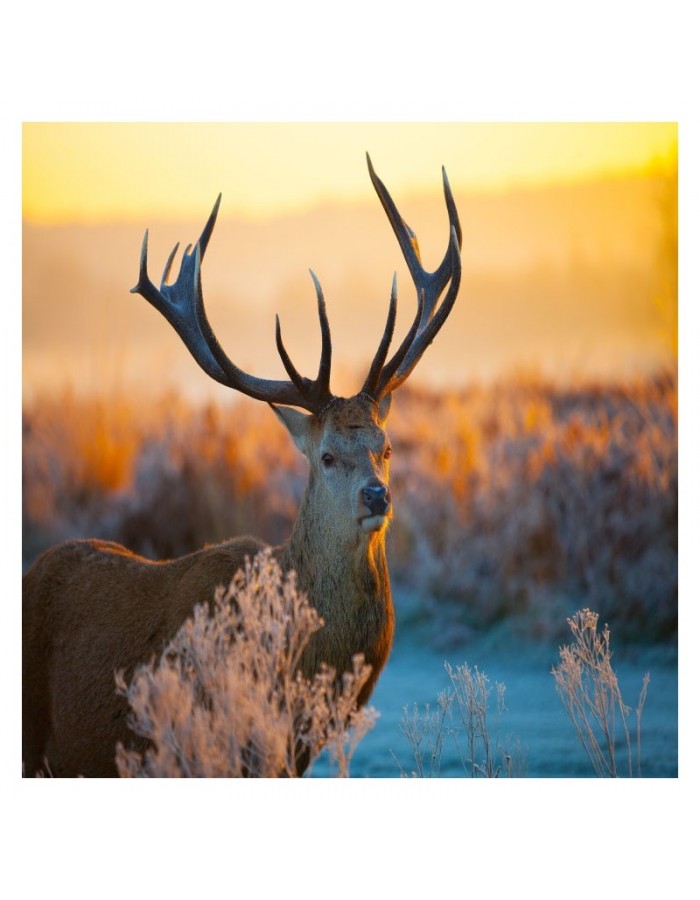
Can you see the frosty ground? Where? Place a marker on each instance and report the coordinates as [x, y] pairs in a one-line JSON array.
[[534, 725]]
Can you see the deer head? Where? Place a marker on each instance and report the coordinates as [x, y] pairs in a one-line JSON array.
[[343, 439]]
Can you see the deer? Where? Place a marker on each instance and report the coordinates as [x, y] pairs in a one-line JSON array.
[[92, 607]]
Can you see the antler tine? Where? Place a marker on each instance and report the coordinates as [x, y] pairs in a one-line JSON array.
[[322, 383], [433, 283], [297, 379], [372, 380], [385, 376], [321, 386], [177, 301], [421, 336], [168, 264], [429, 287], [182, 304], [209, 227], [451, 209]]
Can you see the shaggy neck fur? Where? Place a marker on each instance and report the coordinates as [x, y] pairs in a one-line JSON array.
[[347, 581]]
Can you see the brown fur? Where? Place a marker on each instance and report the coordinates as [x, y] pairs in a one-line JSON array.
[[92, 607]]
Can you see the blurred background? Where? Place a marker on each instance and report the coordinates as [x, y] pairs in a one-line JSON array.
[[569, 246], [535, 470]]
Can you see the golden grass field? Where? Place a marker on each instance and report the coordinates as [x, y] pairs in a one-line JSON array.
[[519, 500]]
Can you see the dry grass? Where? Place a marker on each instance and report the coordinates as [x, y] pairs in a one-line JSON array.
[[192, 475], [480, 753], [588, 687], [521, 501], [226, 698]]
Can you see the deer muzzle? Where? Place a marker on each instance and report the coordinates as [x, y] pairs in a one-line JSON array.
[[377, 499]]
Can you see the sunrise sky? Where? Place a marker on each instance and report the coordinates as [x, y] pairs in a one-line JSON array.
[[563, 256], [99, 172]]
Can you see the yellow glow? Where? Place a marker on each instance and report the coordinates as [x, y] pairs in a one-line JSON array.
[[120, 171]]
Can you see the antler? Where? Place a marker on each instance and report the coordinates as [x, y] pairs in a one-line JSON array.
[[182, 304], [383, 379]]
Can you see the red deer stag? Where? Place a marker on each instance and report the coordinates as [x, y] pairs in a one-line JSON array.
[[91, 607]]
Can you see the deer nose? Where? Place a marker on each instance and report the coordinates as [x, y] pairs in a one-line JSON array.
[[377, 498]]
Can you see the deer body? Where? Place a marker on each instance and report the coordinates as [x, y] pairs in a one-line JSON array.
[[92, 607], [76, 637]]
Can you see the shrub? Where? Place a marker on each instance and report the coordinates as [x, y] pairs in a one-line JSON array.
[[226, 698]]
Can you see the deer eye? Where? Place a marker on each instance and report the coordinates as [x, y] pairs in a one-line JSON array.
[[328, 459]]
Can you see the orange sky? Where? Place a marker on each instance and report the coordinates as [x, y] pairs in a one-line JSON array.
[[564, 279], [97, 172]]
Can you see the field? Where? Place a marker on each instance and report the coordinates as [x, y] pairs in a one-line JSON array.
[[516, 503]]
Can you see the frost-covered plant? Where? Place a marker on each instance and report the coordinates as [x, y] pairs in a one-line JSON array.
[[227, 698], [472, 690], [588, 687], [477, 750], [426, 734]]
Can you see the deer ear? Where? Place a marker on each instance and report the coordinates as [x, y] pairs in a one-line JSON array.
[[298, 424], [384, 407]]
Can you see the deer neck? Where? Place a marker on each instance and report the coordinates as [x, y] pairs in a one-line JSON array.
[[331, 566], [347, 581]]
